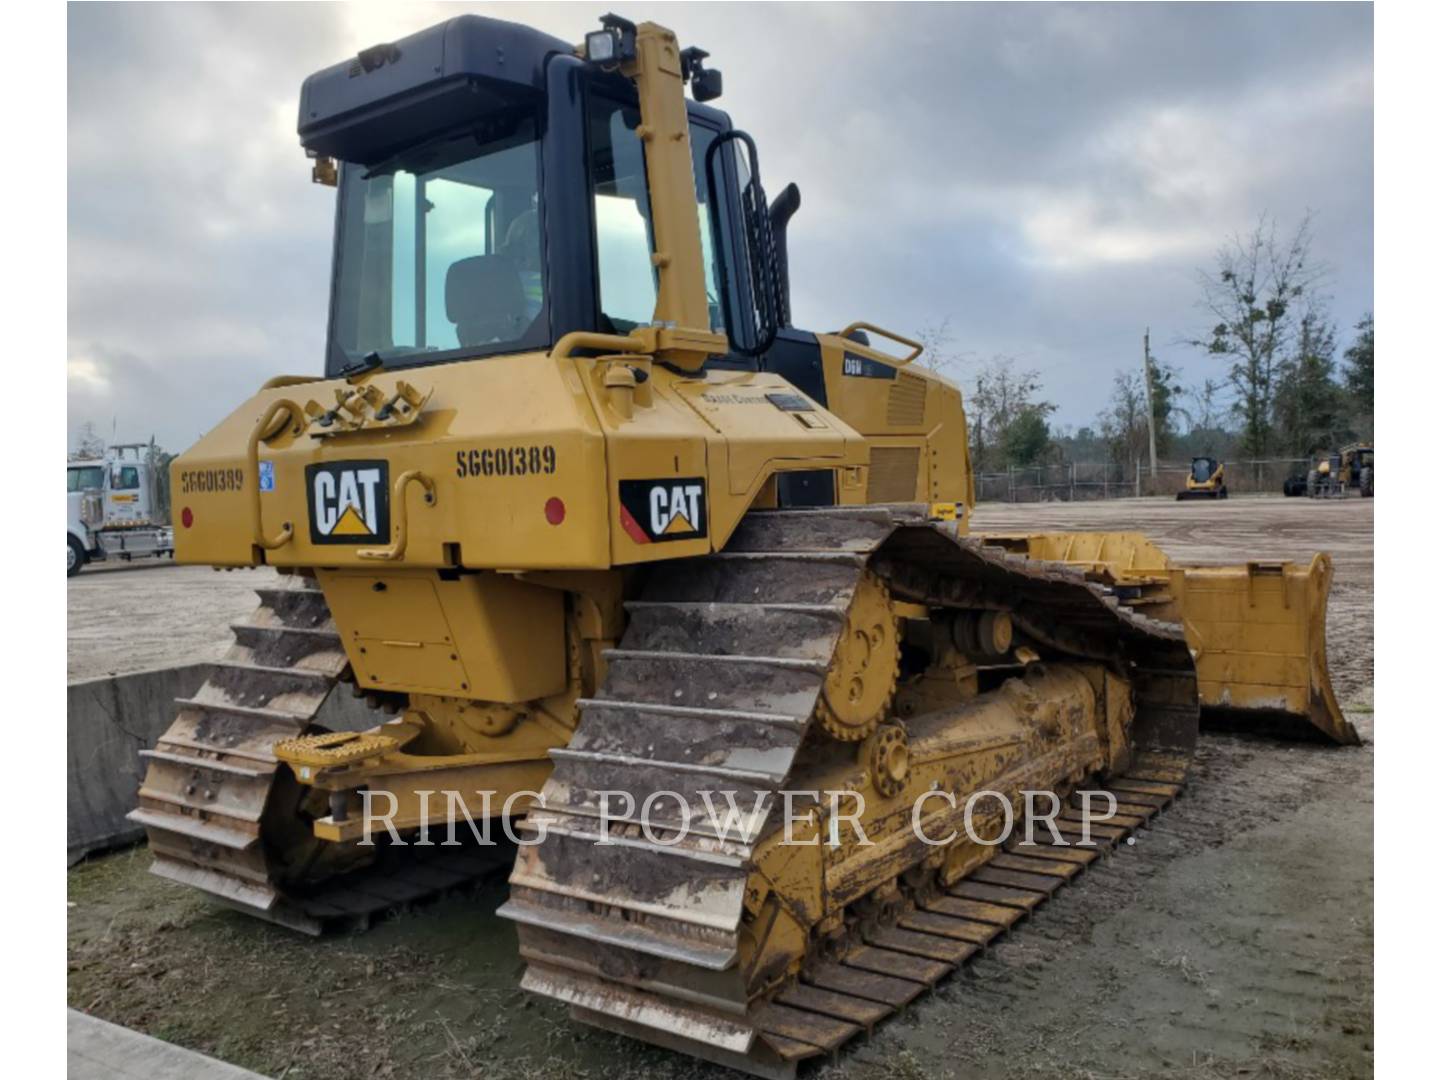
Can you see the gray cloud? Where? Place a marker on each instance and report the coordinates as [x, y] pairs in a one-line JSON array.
[[1048, 177]]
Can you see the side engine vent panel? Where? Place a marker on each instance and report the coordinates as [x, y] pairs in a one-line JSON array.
[[906, 404], [894, 474]]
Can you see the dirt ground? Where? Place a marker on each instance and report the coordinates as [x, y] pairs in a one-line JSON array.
[[127, 617], [1234, 939]]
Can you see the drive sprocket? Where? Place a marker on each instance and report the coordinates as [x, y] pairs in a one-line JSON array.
[[862, 678]]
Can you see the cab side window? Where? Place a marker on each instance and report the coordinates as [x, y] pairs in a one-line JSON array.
[[700, 140], [624, 232], [624, 237]]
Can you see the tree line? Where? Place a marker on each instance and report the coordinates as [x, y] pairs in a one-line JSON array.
[[1281, 386]]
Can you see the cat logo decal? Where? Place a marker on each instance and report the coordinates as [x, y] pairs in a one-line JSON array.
[[349, 502], [654, 511]]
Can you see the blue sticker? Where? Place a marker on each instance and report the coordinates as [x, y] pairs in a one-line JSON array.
[[267, 476]]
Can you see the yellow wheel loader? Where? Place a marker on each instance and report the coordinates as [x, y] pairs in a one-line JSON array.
[[609, 542], [1205, 481]]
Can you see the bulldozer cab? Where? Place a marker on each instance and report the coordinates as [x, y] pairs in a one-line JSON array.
[[1202, 469], [439, 250], [494, 196]]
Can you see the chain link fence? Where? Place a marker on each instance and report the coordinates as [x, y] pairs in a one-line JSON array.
[[1077, 481]]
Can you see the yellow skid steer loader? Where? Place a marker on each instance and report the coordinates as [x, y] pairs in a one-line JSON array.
[[1206, 480]]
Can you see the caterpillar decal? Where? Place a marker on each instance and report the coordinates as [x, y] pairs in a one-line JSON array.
[[654, 511], [349, 502]]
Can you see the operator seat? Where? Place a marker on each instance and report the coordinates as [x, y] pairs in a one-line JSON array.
[[485, 299]]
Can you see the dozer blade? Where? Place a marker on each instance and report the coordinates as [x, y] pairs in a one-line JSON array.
[[1256, 630], [1258, 636]]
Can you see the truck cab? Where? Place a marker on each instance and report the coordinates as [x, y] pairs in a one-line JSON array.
[[113, 508]]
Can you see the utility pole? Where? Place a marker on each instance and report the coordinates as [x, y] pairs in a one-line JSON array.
[[979, 463], [1150, 408]]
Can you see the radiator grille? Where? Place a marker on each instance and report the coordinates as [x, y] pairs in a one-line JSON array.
[[906, 405], [894, 474]]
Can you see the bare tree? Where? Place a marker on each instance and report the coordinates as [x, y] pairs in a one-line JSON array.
[[89, 443], [1254, 292], [1004, 398], [940, 353], [1206, 405], [1123, 424], [1205, 416]]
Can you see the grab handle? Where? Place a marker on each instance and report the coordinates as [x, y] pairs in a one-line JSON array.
[[916, 346], [402, 525], [252, 452]]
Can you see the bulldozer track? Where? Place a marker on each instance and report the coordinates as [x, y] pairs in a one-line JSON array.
[[889, 968], [715, 684], [214, 794]]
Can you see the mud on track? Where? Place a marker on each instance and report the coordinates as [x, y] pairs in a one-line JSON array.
[[1234, 939]]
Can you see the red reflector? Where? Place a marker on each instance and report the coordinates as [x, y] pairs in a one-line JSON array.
[[186, 517], [554, 511]]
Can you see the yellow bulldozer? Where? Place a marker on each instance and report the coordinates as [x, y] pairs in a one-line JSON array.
[[608, 541]]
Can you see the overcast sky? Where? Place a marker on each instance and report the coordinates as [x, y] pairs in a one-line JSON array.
[[1048, 177]]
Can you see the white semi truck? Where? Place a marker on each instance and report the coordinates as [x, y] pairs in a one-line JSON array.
[[113, 508]]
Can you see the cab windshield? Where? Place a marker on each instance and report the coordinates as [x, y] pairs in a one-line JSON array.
[[440, 250], [85, 478]]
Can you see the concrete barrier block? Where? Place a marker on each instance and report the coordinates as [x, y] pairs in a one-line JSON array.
[[110, 720]]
